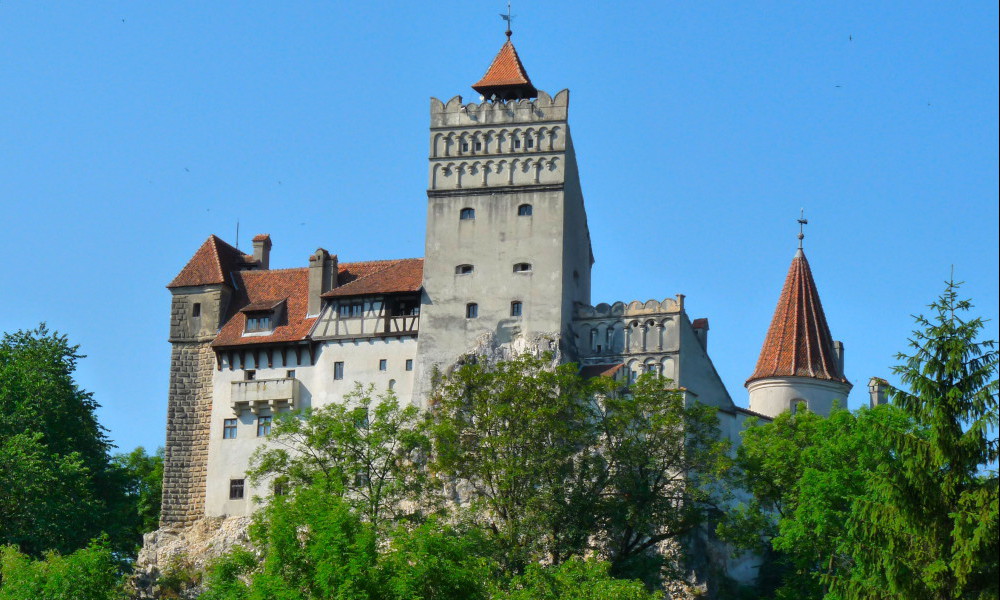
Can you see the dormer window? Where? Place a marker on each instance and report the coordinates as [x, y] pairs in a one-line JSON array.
[[467, 214], [522, 267], [259, 322], [524, 210], [464, 269]]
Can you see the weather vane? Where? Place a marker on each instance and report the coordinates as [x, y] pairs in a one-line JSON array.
[[802, 221], [509, 18]]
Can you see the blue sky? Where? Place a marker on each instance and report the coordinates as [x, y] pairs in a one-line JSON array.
[[131, 131]]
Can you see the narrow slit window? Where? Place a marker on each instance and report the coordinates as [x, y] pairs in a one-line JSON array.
[[467, 214], [522, 267], [471, 310], [338, 370]]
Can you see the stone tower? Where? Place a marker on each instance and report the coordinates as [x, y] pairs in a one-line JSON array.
[[799, 362], [201, 294], [508, 250]]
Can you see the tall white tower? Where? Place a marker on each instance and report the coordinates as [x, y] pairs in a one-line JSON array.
[[508, 250], [799, 362]]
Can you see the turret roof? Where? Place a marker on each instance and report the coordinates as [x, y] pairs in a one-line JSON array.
[[213, 261], [506, 76], [798, 342]]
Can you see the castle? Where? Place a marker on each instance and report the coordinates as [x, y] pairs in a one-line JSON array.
[[506, 269]]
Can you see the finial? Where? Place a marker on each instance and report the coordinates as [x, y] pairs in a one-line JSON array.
[[802, 221], [509, 18]]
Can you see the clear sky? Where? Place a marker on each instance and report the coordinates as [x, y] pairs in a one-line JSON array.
[[130, 131]]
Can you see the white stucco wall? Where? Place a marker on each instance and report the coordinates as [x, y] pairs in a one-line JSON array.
[[775, 395]]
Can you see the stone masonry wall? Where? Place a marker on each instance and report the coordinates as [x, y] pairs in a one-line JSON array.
[[189, 411]]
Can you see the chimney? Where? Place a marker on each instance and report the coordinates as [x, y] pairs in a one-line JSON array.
[[876, 391], [262, 250], [700, 327], [322, 278], [838, 353]]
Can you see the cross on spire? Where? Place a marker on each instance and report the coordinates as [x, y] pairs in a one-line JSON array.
[[509, 18], [802, 220]]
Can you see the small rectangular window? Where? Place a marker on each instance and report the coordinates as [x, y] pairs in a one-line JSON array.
[[517, 143], [471, 310], [515, 308], [229, 429], [196, 309], [383, 364], [263, 426], [249, 375], [338, 370], [409, 364], [524, 210], [479, 146], [290, 374], [529, 143], [467, 213], [259, 323], [351, 309], [465, 146], [236, 489]]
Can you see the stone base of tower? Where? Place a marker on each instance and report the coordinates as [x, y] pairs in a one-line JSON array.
[[775, 395]]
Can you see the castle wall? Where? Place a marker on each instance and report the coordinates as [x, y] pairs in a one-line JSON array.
[[775, 395]]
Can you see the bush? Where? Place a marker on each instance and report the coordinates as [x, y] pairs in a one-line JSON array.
[[87, 574]]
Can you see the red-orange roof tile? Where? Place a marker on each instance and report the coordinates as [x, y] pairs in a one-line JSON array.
[[589, 371], [378, 277], [798, 342], [211, 264], [263, 288], [506, 76]]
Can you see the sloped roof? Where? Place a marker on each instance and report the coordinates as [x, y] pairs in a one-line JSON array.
[[798, 342], [609, 370], [378, 277], [211, 264], [268, 289], [506, 76]]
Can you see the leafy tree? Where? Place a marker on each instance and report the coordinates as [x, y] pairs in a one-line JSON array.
[[574, 579], [365, 450], [928, 527], [555, 465], [56, 473], [87, 574], [143, 482]]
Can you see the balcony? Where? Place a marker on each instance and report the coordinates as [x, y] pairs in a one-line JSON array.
[[258, 394]]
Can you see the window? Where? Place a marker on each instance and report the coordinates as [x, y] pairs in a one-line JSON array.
[[471, 310], [466, 214], [465, 146], [529, 142], [522, 267], [517, 143], [409, 364], [524, 210], [338, 370], [464, 269], [290, 374], [196, 310], [515, 308], [258, 322], [229, 429], [383, 364], [263, 426], [236, 489], [249, 375], [392, 384], [478, 146], [279, 488], [348, 310]]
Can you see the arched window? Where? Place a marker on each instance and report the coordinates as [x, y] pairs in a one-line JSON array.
[[522, 267], [516, 308], [524, 210], [464, 269], [471, 310], [467, 213]]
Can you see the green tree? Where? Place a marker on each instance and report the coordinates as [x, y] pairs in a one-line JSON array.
[[367, 450], [143, 482], [56, 473], [87, 574], [928, 526], [574, 579]]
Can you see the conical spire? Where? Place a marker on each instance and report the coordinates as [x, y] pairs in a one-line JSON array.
[[506, 78], [798, 343]]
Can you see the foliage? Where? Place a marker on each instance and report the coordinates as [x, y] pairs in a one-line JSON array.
[[87, 574], [143, 477], [365, 450], [555, 466], [928, 527], [56, 480], [574, 579]]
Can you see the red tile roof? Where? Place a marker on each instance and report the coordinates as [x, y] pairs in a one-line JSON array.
[[211, 264], [378, 277], [269, 288], [798, 343], [589, 371], [506, 76]]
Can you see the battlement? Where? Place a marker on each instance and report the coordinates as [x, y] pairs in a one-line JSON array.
[[634, 308], [543, 109]]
